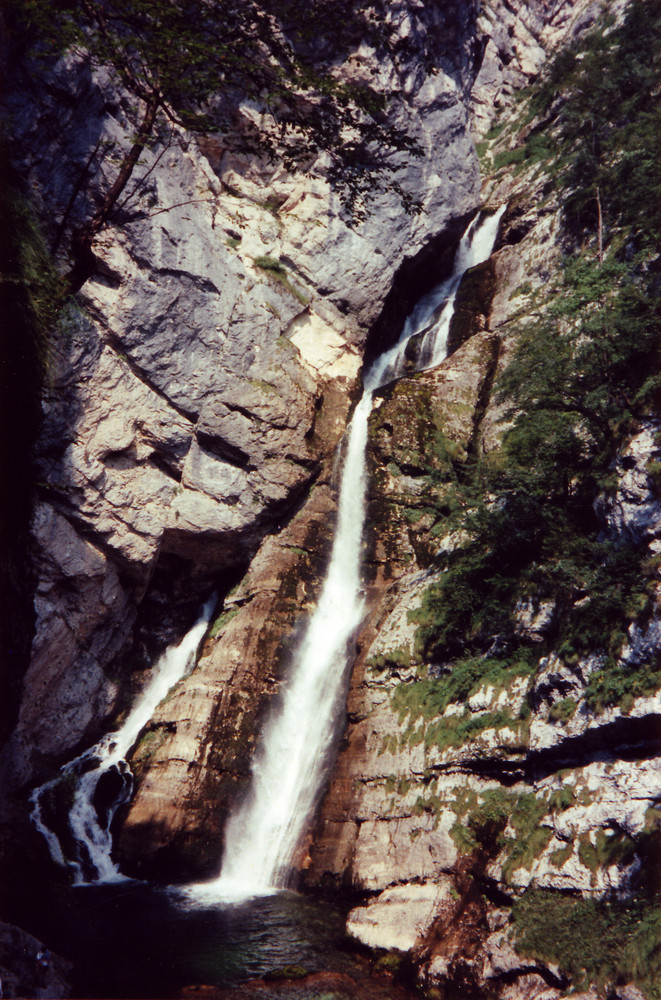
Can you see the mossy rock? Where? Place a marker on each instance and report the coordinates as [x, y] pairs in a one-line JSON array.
[[472, 304]]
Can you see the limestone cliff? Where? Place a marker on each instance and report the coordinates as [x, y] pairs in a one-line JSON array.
[[188, 406], [483, 759], [191, 423]]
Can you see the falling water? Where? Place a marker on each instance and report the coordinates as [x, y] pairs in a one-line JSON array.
[[429, 321], [287, 774], [89, 823]]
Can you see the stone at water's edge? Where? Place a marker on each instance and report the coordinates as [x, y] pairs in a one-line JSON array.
[[398, 918], [197, 750], [28, 968]]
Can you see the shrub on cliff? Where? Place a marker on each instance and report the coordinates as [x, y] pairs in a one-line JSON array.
[[583, 373], [259, 75]]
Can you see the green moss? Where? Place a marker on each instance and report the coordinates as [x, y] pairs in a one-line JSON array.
[[271, 205], [495, 130], [599, 942], [564, 710], [270, 264], [403, 786], [507, 157], [391, 962], [482, 822], [297, 550], [393, 658], [286, 972], [588, 854], [561, 855], [523, 289], [221, 621], [428, 698], [148, 745], [562, 798], [278, 272]]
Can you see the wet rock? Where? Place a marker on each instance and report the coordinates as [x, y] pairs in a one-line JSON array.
[[194, 761], [400, 917], [29, 969]]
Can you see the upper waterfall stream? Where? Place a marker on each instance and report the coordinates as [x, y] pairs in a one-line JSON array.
[[263, 834]]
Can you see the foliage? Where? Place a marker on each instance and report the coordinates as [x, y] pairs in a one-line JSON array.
[[270, 264], [257, 74], [429, 697], [505, 823], [508, 157], [604, 942], [583, 370], [223, 619], [617, 685], [278, 271], [563, 710]]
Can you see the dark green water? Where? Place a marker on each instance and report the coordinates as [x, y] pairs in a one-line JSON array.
[[132, 940]]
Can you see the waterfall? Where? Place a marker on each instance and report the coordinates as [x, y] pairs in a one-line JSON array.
[[262, 835], [89, 821], [287, 771], [429, 320]]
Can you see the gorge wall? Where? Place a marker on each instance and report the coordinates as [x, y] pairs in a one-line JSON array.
[[197, 396]]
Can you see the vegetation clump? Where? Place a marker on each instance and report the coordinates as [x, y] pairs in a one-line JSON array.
[[278, 271], [582, 375], [604, 942], [198, 66]]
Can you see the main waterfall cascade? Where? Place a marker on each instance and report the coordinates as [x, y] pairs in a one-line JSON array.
[[89, 823], [264, 833]]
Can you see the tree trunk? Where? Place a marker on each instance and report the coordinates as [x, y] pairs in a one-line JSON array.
[[83, 236], [600, 228]]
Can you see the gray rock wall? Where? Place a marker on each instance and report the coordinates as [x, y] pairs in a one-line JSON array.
[[182, 421]]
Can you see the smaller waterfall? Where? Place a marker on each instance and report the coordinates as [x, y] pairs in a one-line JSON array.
[[262, 835], [430, 319], [90, 818]]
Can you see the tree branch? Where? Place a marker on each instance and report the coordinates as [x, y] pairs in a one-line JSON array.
[[83, 237]]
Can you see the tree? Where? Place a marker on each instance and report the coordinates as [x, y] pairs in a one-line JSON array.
[[261, 73]]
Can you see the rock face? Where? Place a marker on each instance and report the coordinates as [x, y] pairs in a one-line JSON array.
[[192, 428], [193, 395], [575, 779], [28, 968], [517, 40]]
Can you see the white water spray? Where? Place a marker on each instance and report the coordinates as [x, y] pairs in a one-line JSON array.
[[88, 823], [431, 317], [264, 833]]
